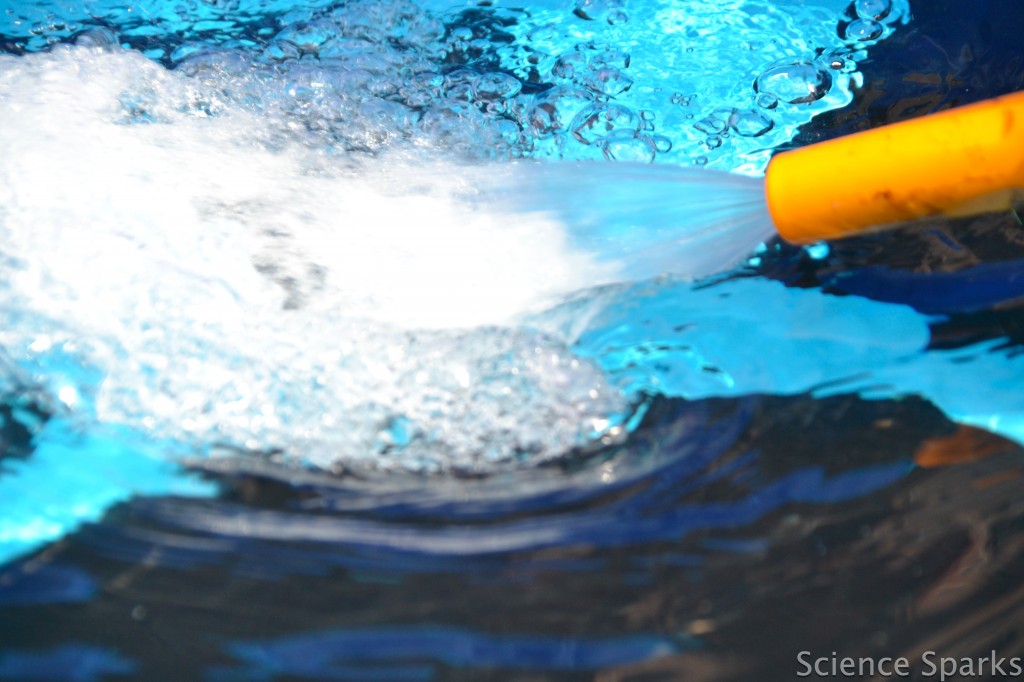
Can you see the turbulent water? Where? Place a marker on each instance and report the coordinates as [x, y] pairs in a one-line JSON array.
[[266, 299], [421, 341], [349, 236], [279, 245]]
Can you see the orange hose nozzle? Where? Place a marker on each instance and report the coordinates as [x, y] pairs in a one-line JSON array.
[[963, 161]]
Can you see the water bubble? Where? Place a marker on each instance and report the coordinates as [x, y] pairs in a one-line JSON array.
[[618, 59], [795, 83], [458, 85], [458, 39], [495, 86], [388, 114], [596, 9], [596, 121], [422, 89], [750, 123], [458, 77], [215, 66], [681, 99], [362, 81], [626, 145], [713, 123], [553, 110], [700, 161], [661, 143], [618, 17], [714, 142], [345, 48], [280, 51], [767, 100], [97, 37], [455, 126], [862, 30], [873, 9], [567, 64], [308, 37], [607, 81]]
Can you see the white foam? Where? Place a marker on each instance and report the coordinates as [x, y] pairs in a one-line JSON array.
[[273, 299]]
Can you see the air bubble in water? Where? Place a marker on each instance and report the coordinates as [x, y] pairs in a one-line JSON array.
[[495, 86], [767, 100], [607, 81], [598, 120], [280, 51], [662, 144], [213, 66], [873, 9], [422, 89], [96, 37], [749, 123], [712, 124], [308, 36], [618, 59], [592, 10], [567, 64], [625, 145], [555, 109], [795, 83], [863, 29]]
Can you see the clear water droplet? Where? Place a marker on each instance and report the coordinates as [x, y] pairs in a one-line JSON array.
[[795, 83], [873, 9], [700, 161], [714, 142], [863, 29]]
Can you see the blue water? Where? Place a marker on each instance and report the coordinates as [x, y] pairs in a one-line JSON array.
[[377, 447]]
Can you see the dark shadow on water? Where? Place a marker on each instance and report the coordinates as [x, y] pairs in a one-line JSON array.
[[720, 540]]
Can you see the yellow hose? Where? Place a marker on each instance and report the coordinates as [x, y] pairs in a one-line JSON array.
[[962, 161]]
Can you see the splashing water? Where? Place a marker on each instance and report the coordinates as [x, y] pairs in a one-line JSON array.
[[259, 249], [226, 293]]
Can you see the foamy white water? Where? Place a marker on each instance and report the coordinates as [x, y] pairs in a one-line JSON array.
[[223, 286]]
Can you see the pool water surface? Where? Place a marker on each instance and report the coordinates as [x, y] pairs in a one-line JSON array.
[[312, 367]]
